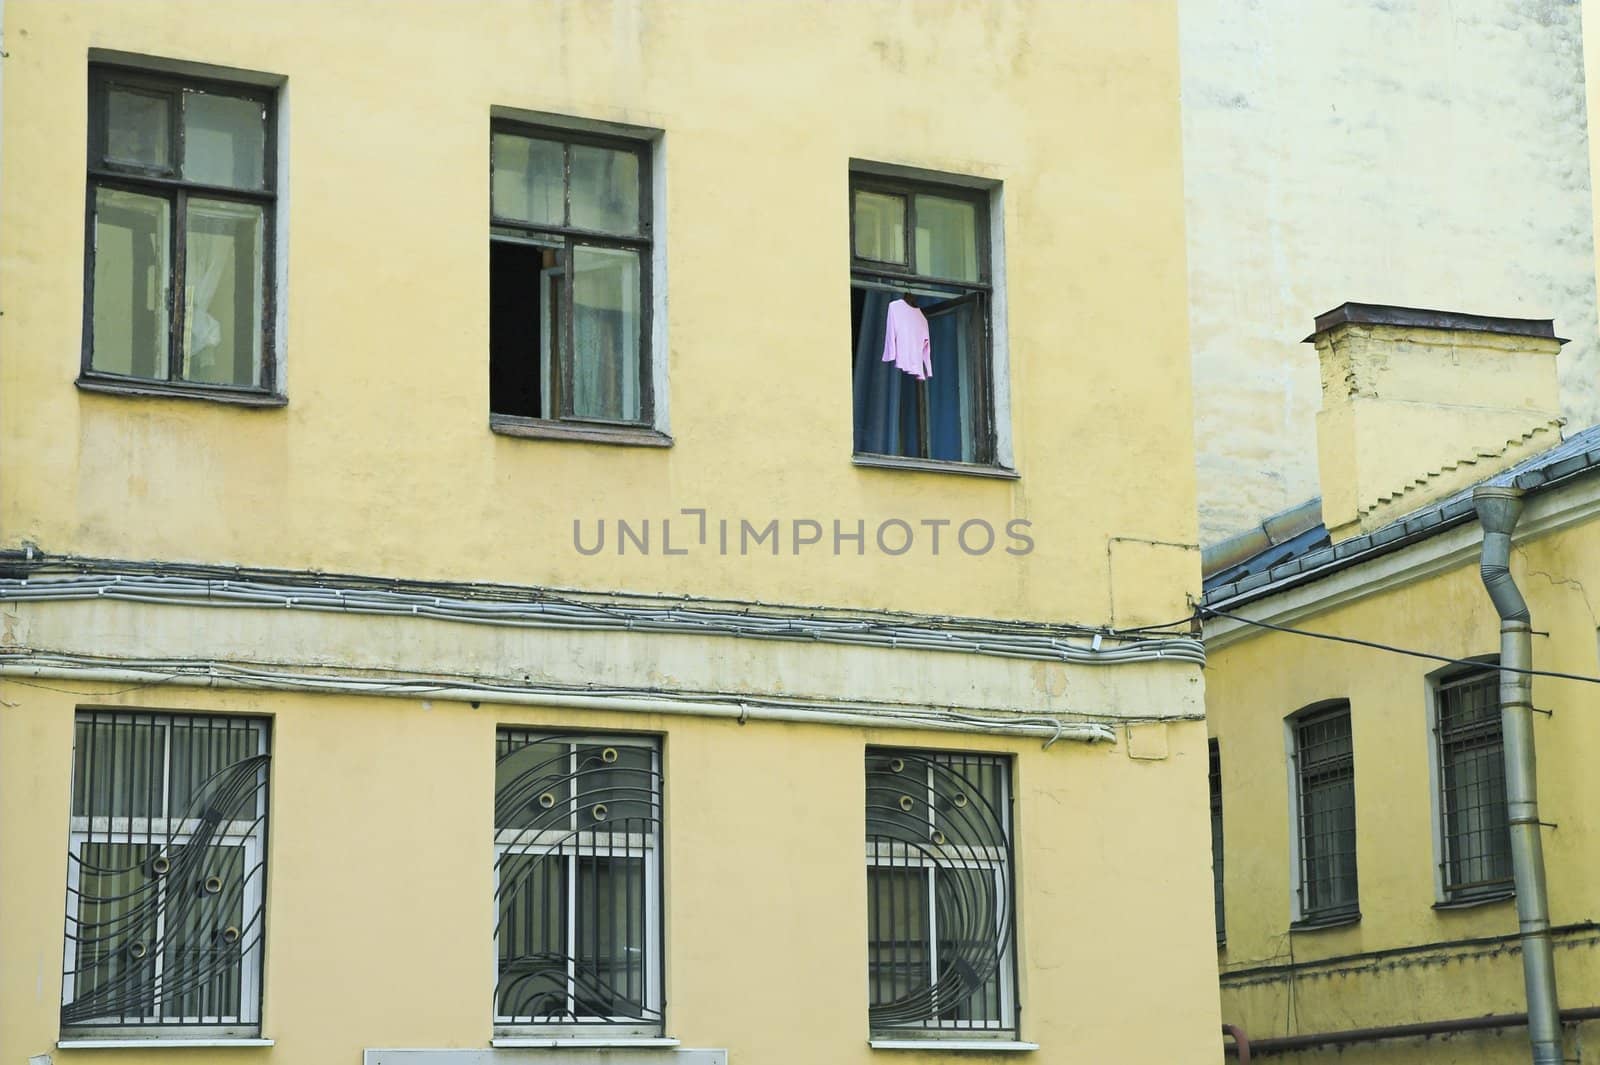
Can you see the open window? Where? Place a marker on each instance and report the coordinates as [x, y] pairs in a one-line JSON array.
[[921, 301]]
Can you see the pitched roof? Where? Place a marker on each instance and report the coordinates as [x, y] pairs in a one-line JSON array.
[[1308, 555]]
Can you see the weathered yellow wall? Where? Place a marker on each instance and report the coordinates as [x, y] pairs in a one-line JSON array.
[[383, 462], [380, 905], [1253, 684]]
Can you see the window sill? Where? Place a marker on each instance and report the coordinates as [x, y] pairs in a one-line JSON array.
[[158, 390], [619, 1041], [539, 429], [993, 1046], [1477, 900], [134, 1042], [1317, 924], [964, 469]]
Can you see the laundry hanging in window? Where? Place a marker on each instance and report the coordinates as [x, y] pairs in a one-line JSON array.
[[905, 341]]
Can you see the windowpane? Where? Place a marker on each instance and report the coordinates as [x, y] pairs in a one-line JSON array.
[[898, 940], [1476, 836], [1323, 753], [880, 221], [611, 924], [1216, 837], [203, 934], [532, 938], [605, 334], [132, 272], [529, 179], [947, 238], [224, 140], [605, 189], [115, 944], [139, 128], [118, 767], [223, 292]]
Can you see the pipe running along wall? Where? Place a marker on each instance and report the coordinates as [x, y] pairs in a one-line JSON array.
[[1498, 510]]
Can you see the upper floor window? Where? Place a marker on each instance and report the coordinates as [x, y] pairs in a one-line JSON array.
[[920, 315], [577, 832], [1474, 836], [1325, 802], [941, 898], [569, 278], [181, 213], [1215, 775], [166, 871]]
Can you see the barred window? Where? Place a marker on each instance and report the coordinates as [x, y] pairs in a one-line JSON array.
[[1216, 837], [166, 874], [940, 894], [577, 825], [1325, 777], [1474, 836]]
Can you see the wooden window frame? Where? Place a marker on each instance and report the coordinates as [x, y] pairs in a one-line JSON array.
[[898, 277], [170, 186], [564, 425]]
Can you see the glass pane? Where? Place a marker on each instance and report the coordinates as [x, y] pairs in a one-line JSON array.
[[957, 390], [527, 184], [622, 779], [532, 938], [947, 238], [969, 945], [118, 768], [605, 189], [880, 227], [205, 935], [222, 293], [132, 275], [897, 943], [138, 128], [605, 334], [224, 140], [611, 937], [210, 768], [532, 786], [113, 934]]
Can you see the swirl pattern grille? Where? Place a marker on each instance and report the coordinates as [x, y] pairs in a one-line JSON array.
[[165, 872], [940, 906], [577, 875]]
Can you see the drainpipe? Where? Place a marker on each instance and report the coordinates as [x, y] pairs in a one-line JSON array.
[[1498, 510]]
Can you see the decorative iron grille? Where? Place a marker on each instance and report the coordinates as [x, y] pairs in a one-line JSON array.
[[940, 892], [1325, 763], [578, 882], [1475, 835], [166, 872], [1215, 753]]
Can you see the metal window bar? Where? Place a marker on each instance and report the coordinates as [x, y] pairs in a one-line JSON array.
[[941, 893], [1475, 837], [166, 873], [1215, 772], [1326, 775], [577, 883]]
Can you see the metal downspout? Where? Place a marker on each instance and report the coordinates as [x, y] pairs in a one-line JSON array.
[[1498, 510]]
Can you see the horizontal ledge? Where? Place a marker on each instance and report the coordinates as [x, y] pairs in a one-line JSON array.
[[620, 1041], [158, 390], [539, 429], [994, 1046], [163, 1043], [1475, 901], [1318, 924], [961, 469]]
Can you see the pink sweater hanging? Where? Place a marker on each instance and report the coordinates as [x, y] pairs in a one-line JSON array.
[[905, 341]]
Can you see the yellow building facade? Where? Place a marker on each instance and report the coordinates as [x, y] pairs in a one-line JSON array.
[[471, 590], [1367, 904]]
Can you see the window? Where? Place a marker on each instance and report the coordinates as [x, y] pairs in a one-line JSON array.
[[1475, 840], [166, 875], [181, 206], [941, 909], [927, 246], [1326, 800], [569, 278], [1216, 838], [577, 884]]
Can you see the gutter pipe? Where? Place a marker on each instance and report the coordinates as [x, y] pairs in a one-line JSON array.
[[1289, 1044], [1498, 510]]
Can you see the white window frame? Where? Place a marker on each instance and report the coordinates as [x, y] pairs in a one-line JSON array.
[[572, 846]]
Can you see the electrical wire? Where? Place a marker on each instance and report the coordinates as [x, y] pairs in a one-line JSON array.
[[1206, 611]]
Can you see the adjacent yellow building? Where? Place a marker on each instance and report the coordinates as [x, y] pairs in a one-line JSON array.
[[1367, 905], [539, 530]]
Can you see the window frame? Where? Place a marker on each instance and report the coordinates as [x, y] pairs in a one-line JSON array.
[[1304, 916], [510, 1028], [1003, 869], [569, 237], [1447, 894], [250, 837], [878, 274], [102, 172]]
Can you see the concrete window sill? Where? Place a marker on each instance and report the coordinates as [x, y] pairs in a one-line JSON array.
[[960, 469], [991, 1046], [160, 1043], [541, 429], [237, 397], [621, 1042]]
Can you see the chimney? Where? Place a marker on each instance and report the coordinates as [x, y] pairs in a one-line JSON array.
[[1419, 404]]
